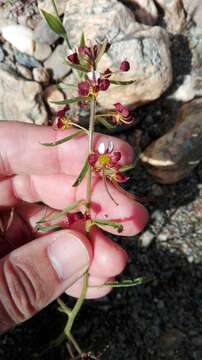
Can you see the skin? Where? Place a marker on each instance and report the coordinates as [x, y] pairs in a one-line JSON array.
[[31, 173]]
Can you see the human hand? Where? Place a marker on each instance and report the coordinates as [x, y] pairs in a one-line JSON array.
[[35, 269]]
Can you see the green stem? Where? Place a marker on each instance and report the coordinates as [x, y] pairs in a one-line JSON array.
[[73, 314], [55, 8], [90, 148]]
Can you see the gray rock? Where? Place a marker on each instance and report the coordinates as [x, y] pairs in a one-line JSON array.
[[174, 155], [43, 34], [28, 105], [1, 54], [146, 48], [56, 63], [26, 60]]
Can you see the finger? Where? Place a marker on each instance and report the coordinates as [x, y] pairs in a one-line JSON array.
[[22, 153], [109, 259], [38, 272], [56, 191]]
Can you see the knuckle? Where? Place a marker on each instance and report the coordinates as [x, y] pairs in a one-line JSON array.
[[23, 288]]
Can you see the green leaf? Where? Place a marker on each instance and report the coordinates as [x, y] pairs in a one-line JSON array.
[[50, 228], [77, 67], [113, 224], [116, 82], [82, 40], [101, 52], [127, 282], [71, 101], [62, 141], [54, 23], [105, 123], [67, 209], [82, 174]]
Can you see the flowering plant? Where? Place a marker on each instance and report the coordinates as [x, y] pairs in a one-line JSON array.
[[102, 161]]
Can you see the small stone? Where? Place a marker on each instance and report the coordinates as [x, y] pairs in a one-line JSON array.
[[21, 37], [43, 34], [146, 11], [20, 99], [41, 75], [56, 63], [173, 156], [163, 237], [1, 54], [146, 238], [50, 94], [42, 51], [24, 72], [26, 60]]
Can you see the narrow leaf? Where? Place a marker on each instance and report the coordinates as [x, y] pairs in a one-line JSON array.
[[82, 174], [113, 224], [127, 282], [54, 23], [49, 228], [101, 52], [116, 82], [82, 41], [105, 123], [71, 101], [62, 141], [67, 209]]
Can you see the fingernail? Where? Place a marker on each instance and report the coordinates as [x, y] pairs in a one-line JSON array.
[[68, 255]]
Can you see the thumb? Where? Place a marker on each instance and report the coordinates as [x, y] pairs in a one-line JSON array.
[[37, 273]]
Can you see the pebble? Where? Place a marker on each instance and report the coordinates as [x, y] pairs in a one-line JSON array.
[[1, 54], [42, 51], [26, 60], [41, 75], [24, 72], [146, 238]]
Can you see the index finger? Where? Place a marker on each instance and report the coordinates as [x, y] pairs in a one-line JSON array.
[[21, 151]]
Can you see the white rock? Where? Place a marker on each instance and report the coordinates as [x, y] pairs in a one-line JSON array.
[[21, 37], [20, 99], [42, 51]]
